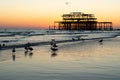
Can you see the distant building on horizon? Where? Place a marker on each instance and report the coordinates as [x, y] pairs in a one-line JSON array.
[[80, 21]]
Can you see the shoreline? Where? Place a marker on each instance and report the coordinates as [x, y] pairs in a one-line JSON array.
[[48, 42]]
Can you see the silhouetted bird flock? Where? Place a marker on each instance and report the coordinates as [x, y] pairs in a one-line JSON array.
[[27, 48], [53, 48]]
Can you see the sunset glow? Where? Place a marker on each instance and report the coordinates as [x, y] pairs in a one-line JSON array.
[[42, 13]]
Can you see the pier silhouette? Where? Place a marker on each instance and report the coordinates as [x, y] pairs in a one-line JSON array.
[[80, 21]]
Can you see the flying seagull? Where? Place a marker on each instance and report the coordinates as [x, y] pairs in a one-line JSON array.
[[67, 3]]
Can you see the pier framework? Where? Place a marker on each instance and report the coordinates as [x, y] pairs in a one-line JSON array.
[[81, 21]]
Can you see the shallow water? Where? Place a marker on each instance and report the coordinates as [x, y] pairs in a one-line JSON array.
[[83, 60]]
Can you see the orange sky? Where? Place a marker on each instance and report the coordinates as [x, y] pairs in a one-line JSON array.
[[42, 13]]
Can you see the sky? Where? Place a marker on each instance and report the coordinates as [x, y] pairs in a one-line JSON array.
[[43, 13]]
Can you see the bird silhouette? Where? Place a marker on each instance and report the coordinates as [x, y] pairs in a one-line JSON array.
[[54, 49], [13, 50], [30, 48], [101, 40], [67, 3]]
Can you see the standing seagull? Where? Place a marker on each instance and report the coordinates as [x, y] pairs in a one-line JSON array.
[[30, 48], [101, 40], [13, 54], [13, 50]]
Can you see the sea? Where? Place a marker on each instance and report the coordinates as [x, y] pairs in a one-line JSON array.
[[75, 59]]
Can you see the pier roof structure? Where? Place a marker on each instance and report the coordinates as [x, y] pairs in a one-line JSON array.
[[81, 21]]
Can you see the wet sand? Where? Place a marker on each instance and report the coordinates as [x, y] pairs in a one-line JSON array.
[[81, 60]]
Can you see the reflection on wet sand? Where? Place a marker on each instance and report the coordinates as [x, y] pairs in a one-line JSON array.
[[101, 43], [28, 53], [53, 54], [13, 56], [81, 60], [28, 50]]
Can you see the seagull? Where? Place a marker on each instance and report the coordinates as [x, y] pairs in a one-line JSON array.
[[13, 50], [54, 45], [30, 48], [101, 40], [54, 49], [67, 3], [73, 39]]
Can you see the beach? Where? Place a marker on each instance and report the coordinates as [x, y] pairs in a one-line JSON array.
[[75, 60], [59, 40]]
